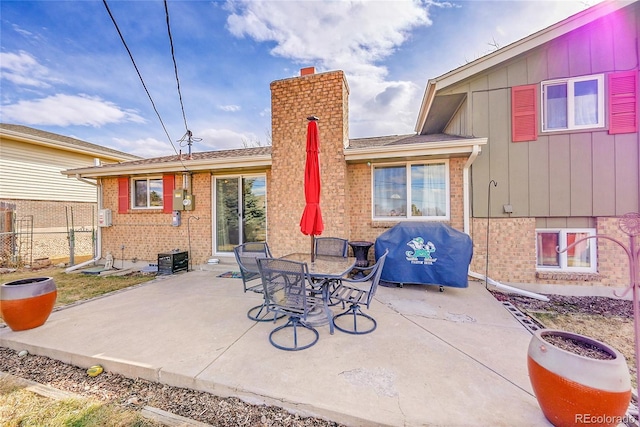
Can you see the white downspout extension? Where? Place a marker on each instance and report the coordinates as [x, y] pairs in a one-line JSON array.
[[98, 186], [507, 288], [466, 212]]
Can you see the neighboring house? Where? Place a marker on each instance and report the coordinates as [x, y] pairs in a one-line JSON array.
[[557, 181], [39, 207]]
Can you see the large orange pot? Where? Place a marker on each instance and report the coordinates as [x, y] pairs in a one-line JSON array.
[[27, 303], [575, 390]]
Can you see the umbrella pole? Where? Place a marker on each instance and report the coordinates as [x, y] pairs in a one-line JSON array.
[[313, 249]]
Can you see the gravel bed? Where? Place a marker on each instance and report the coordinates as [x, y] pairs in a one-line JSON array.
[[137, 393], [563, 304]]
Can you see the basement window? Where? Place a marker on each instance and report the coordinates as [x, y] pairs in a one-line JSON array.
[[580, 258]]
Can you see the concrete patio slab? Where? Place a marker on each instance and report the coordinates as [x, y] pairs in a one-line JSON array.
[[452, 358]]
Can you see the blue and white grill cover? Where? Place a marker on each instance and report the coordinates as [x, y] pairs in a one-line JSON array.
[[425, 253]]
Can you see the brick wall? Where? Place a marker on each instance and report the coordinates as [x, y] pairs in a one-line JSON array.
[[362, 227], [324, 95], [146, 233], [44, 230], [512, 254]]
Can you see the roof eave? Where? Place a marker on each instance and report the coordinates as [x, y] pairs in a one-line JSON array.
[[257, 161], [427, 101], [46, 142], [512, 50], [530, 42], [437, 148]]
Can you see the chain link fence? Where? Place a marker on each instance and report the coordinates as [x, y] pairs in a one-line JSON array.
[[49, 233]]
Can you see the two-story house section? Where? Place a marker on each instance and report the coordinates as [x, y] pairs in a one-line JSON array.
[[559, 110]]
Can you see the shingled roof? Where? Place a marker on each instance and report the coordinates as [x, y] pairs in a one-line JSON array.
[[198, 157], [382, 141], [386, 147], [26, 132]]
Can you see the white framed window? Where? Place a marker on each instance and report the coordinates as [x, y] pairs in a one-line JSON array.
[[147, 193], [574, 103], [581, 258], [416, 190]]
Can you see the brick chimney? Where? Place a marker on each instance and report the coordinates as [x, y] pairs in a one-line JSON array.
[[307, 71], [325, 95]]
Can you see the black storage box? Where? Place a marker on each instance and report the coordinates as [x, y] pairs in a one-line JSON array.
[[173, 262]]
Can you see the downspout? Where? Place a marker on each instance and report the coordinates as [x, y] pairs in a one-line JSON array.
[[466, 209], [466, 199], [98, 186]]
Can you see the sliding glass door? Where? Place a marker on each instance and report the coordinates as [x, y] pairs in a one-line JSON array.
[[240, 211]]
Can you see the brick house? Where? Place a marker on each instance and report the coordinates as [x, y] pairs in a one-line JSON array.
[[257, 193], [465, 138]]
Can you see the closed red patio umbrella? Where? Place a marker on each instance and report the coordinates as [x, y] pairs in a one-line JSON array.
[[311, 221]]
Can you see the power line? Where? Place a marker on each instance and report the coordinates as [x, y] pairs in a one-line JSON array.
[[175, 65], [141, 79], [188, 136]]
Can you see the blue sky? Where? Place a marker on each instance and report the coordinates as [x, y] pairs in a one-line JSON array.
[[64, 69]]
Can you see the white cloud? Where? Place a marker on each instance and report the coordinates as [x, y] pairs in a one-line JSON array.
[[355, 31], [144, 147], [230, 108], [353, 36], [222, 139], [68, 110], [24, 70]]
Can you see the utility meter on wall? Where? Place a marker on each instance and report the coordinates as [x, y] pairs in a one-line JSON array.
[[182, 200], [188, 202]]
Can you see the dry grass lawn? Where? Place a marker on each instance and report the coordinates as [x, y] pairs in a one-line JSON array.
[[77, 286], [21, 407]]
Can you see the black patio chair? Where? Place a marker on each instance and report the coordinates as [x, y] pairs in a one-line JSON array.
[[247, 255], [333, 246], [357, 292], [288, 291]]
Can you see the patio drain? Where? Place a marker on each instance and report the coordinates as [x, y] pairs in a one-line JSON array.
[[524, 319]]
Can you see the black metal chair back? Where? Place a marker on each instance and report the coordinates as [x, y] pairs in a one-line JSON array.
[[333, 246], [352, 292], [247, 255], [287, 289]]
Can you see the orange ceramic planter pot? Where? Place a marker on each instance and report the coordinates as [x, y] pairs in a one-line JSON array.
[[27, 303], [575, 390]]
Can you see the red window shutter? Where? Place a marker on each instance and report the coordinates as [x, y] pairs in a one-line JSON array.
[[623, 102], [123, 195], [524, 113], [168, 183]]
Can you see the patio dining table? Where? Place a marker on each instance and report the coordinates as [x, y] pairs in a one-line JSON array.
[[323, 269]]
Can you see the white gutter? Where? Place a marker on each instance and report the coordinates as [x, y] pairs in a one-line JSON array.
[[466, 199], [221, 163], [434, 148], [508, 288], [98, 232]]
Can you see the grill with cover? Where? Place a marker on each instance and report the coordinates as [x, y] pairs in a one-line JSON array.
[[426, 253]]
